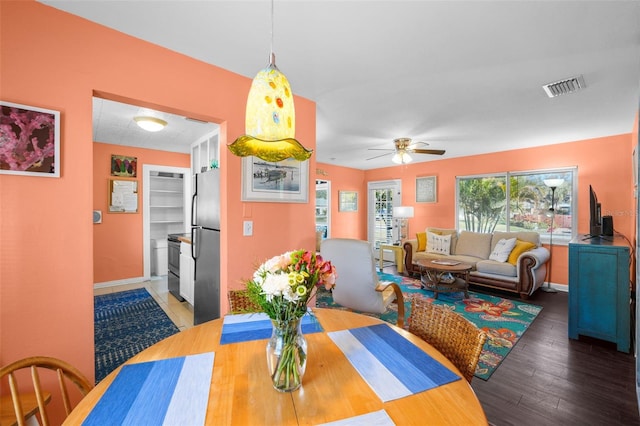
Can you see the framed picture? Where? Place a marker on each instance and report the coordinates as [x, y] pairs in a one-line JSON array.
[[123, 166], [29, 140], [347, 201], [426, 189], [286, 181]]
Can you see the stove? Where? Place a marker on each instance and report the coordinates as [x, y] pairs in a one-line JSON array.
[[173, 260]]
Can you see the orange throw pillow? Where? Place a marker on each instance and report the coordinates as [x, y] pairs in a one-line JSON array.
[[521, 247], [422, 241]]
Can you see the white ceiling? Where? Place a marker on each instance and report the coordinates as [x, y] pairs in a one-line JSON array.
[[113, 123], [465, 76]]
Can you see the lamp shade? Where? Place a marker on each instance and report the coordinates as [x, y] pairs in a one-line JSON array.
[[271, 114], [403, 211], [270, 121], [553, 183]]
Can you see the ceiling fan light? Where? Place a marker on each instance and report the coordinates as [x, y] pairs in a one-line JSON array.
[[401, 158], [150, 124]]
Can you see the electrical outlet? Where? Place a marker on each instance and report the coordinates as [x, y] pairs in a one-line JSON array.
[[247, 228]]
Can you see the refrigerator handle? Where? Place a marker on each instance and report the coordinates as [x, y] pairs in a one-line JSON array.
[[194, 242], [193, 210]]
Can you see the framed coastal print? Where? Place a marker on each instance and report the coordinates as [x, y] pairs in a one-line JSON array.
[[426, 189], [347, 201], [29, 140], [286, 181]]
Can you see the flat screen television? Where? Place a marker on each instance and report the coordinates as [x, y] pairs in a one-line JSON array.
[[595, 214]]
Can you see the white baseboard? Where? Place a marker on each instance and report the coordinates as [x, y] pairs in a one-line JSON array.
[[125, 281], [558, 287]]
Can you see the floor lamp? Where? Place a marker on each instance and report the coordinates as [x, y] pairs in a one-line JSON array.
[[552, 184]]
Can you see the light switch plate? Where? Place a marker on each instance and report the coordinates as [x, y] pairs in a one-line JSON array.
[[247, 228]]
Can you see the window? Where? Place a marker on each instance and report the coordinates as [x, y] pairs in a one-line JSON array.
[[323, 188], [518, 201]]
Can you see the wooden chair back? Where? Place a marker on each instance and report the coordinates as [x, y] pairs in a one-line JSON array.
[[452, 334], [25, 405], [240, 303]]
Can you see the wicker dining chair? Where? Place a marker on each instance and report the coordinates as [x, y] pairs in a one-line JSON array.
[[452, 334], [19, 406], [240, 303]]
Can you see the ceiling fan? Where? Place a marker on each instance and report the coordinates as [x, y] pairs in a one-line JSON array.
[[404, 146]]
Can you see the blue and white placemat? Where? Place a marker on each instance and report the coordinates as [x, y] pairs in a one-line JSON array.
[[171, 391], [392, 365], [257, 326], [377, 418]]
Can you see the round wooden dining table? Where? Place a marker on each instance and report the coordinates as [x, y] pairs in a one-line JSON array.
[[241, 391]]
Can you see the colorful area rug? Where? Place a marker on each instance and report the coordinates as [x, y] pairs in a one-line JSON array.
[[504, 320], [126, 323]]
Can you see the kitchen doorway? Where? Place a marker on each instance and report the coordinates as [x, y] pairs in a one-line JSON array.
[[114, 124]]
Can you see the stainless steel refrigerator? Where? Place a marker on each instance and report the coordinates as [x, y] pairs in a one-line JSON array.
[[205, 246]]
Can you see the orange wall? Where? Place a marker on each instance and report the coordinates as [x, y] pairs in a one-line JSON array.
[[346, 224], [58, 61], [604, 163], [117, 241]]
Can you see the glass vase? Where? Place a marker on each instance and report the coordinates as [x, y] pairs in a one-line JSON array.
[[287, 355]]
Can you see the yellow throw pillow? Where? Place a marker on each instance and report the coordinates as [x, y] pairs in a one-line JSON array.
[[521, 247], [422, 241]]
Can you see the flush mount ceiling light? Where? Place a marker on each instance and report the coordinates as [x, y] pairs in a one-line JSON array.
[[270, 122], [564, 87], [150, 124]]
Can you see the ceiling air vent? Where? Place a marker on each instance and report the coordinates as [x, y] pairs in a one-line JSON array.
[[564, 87]]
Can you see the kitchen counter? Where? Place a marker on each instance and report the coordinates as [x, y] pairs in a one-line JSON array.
[[185, 239]]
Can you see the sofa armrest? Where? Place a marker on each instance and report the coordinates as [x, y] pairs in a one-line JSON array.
[[539, 256], [532, 270], [410, 247]]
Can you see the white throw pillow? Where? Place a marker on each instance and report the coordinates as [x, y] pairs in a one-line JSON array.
[[502, 250], [440, 244]]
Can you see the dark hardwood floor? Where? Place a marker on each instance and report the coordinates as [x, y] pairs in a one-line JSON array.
[[549, 379]]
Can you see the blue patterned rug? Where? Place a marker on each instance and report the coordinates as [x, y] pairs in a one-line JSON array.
[[126, 323], [504, 320]]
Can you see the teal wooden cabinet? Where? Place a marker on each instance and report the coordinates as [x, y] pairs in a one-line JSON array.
[[599, 296]]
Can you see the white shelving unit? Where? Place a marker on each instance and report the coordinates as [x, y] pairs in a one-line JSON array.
[[166, 204], [204, 152]]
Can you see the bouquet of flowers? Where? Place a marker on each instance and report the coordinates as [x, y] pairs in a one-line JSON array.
[[282, 287]]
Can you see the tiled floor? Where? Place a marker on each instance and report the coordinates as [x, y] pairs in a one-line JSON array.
[[181, 313]]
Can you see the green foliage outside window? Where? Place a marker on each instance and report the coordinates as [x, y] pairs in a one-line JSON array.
[[487, 203]]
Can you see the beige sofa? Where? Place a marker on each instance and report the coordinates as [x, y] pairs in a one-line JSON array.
[[525, 277]]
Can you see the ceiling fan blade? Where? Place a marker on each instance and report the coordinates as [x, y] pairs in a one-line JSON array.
[[381, 155], [429, 151], [417, 144]]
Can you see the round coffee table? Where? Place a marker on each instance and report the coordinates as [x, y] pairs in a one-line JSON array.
[[441, 275]]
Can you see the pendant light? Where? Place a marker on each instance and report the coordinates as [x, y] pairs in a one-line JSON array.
[[270, 122]]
